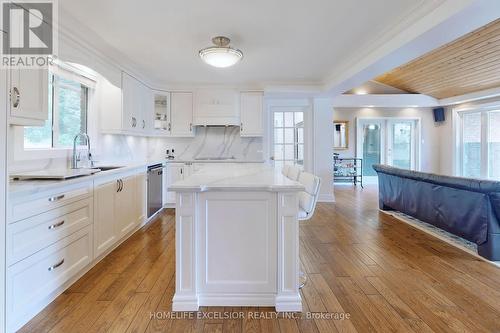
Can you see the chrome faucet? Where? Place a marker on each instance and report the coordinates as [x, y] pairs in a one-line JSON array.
[[76, 158]]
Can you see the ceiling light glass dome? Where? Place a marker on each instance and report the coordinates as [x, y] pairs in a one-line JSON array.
[[221, 55]]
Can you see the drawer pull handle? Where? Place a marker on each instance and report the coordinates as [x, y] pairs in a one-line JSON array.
[[56, 225], [54, 199], [51, 268]]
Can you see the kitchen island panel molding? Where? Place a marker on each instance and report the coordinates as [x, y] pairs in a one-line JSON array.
[[186, 296], [237, 251]]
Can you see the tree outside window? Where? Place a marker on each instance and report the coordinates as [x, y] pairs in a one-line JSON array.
[[68, 104]]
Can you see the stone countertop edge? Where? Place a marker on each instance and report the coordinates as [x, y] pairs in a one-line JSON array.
[[27, 187]]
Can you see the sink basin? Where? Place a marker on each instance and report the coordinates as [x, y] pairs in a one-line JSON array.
[[108, 167]]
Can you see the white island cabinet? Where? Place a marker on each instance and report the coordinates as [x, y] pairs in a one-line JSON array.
[[237, 239]]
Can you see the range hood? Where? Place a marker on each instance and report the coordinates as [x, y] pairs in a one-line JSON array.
[[217, 107]]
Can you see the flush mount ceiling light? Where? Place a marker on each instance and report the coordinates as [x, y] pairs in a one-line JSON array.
[[221, 55]]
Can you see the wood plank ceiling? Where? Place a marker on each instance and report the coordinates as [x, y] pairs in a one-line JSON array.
[[468, 64]]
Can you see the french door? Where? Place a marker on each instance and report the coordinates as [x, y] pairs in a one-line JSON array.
[[390, 141], [288, 137]]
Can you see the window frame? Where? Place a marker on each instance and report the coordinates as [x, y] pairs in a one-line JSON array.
[[484, 110], [67, 73], [74, 72]]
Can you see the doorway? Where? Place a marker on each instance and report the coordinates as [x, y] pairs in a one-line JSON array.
[[390, 141]]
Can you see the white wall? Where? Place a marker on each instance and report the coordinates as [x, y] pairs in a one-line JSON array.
[[3, 190], [323, 146], [430, 137]]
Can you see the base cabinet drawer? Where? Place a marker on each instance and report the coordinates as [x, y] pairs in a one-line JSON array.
[[32, 280], [31, 235], [36, 204]]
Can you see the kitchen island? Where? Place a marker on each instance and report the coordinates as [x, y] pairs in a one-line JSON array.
[[237, 241]]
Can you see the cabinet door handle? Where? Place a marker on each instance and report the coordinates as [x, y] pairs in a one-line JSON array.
[[134, 122], [56, 225], [57, 198], [181, 171], [51, 268], [143, 124], [16, 99], [190, 127], [120, 185], [169, 127], [241, 127]]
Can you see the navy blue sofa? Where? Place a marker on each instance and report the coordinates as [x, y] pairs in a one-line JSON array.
[[469, 208]]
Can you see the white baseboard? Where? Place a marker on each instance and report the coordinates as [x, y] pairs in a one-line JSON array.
[[288, 303], [185, 303], [237, 299]]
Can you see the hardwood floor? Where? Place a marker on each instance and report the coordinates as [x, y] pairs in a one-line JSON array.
[[385, 274]]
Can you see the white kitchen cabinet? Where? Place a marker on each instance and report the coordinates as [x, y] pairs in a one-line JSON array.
[[105, 230], [251, 113], [140, 197], [133, 113], [55, 235], [173, 114], [161, 113], [33, 280], [181, 114], [28, 90], [217, 107], [120, 206], [175, 172], [125, 206], [146, 115], [49, 241], [130, 103]]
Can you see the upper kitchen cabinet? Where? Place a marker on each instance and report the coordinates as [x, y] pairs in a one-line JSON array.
[[217, 107], [173, 115], [182, 114], [128, 110], [251, 113], [132, 95], [161, 115], [147, 106], [28, 90]]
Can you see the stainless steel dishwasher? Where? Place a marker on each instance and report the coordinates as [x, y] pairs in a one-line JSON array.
[[155, 189]]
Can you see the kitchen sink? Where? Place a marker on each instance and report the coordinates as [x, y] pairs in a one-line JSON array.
[[108, 167]]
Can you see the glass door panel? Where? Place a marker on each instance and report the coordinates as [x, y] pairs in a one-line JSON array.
[[494, 145], [288, 138], [372, 147], [471, 149], [400, 152]]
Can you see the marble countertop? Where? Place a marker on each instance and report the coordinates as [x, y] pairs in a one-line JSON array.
[[27, 187], [214, 161], [237, 178]]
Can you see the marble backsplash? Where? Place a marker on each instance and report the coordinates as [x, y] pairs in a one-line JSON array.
[[208, 143]]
